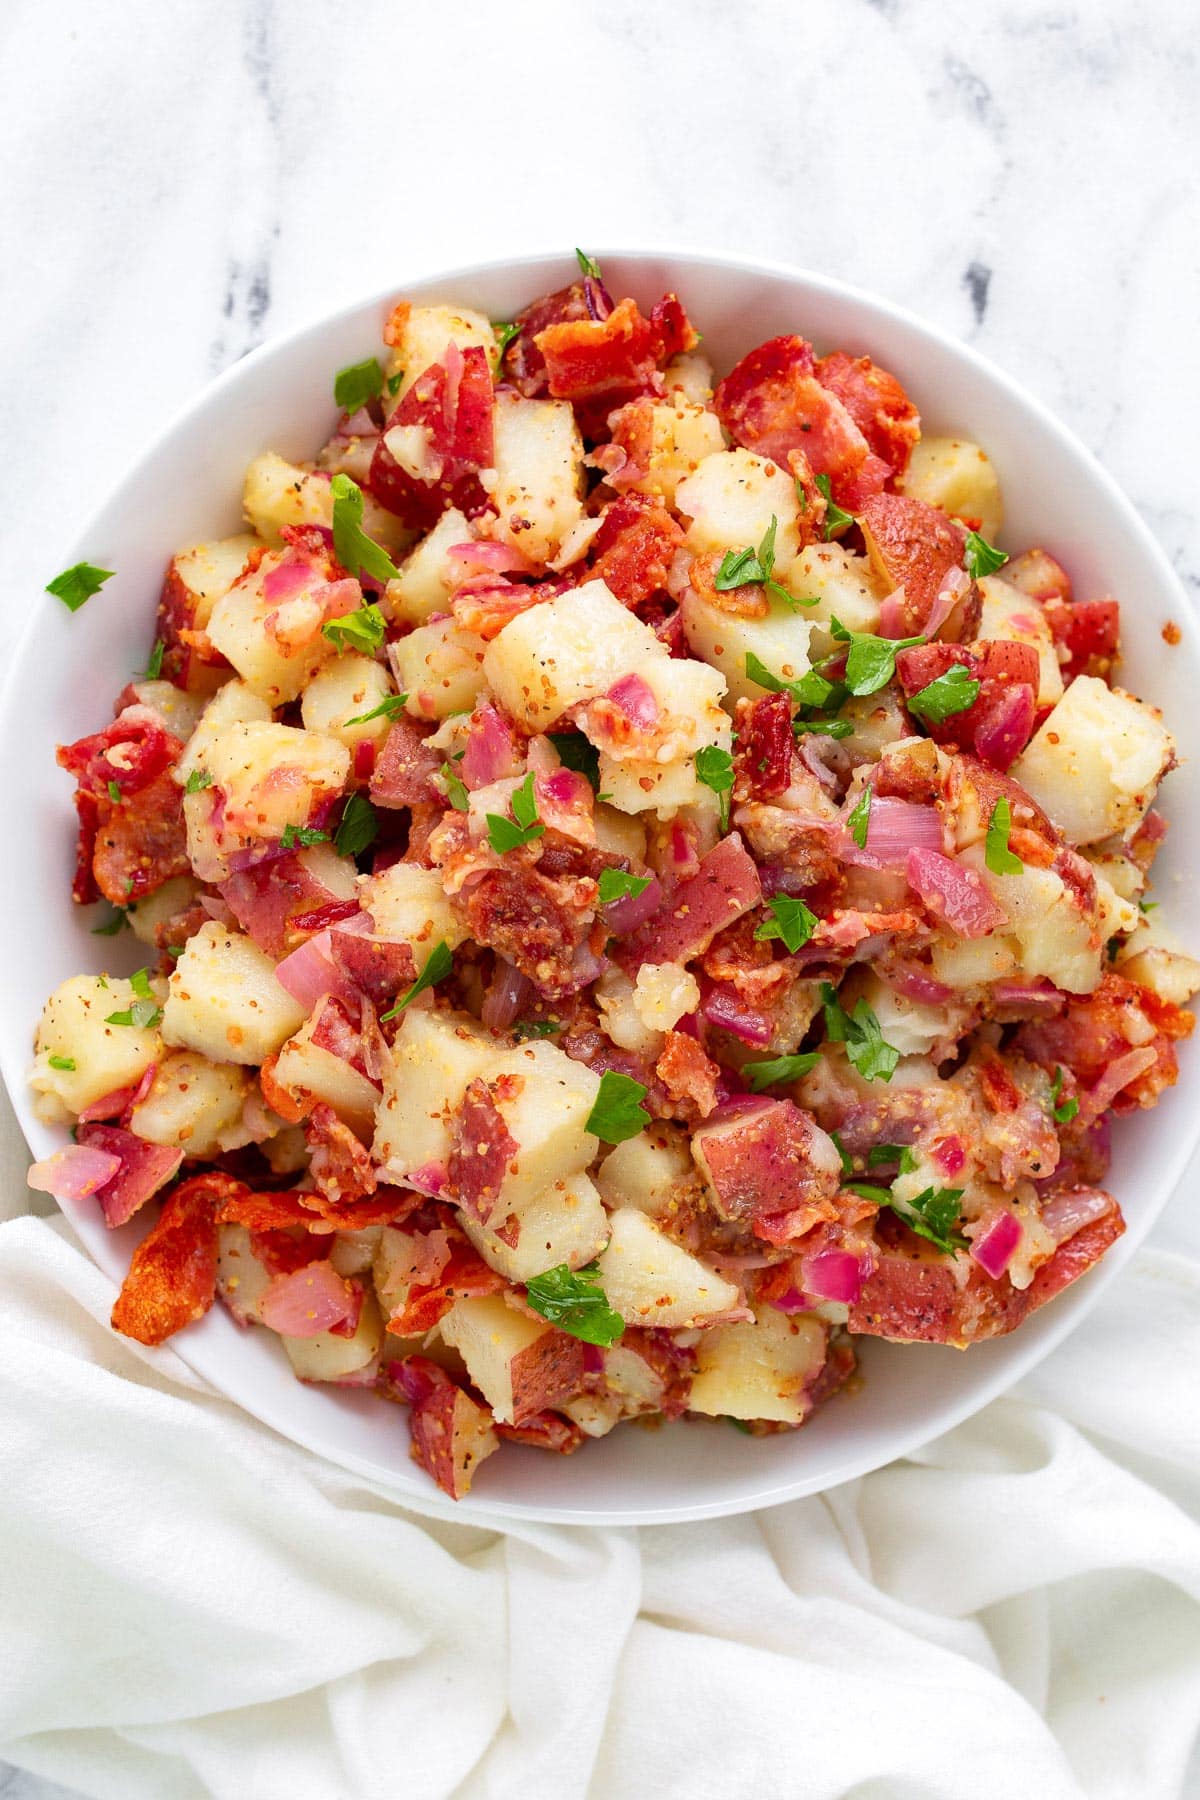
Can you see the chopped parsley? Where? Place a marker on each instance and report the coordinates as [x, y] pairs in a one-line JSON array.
[[881, 1155], [300, 837], [77, 584], [745, 568], [144, 1011], [352, 547], [859, 822], [505, 333], [980, 557], [619, 884], [436, 969], [790, 920], [871, 660], [359, 382], [1063, 1110], [933, 1214], [536, 1028], [506, 835], [114, 792], [588, 264], [197, 781], [456, 787], [999, 858], [618, 1112], [153, 668], [762, 1075], [119, 922], [573, 1300], [575, 752], [862, 1036], [359, 826], [714, 767], [835, 518], [66, 1063], [390, 707], [363, 630], [946, 695], [393, 382]]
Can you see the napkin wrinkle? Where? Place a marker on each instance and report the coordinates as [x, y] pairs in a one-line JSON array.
[[205, 1609]]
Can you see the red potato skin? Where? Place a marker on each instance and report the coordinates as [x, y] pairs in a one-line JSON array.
[[876, 402], [550, 1371], [725, 886], [913, 546], [452, 401], [760, 1171], [451, 1433]]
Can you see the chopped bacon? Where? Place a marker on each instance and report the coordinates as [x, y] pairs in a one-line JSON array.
[[634, 547], [379, 968], [311, 1209], [461, 1275], [451, 1432], [772, 1167], [188, 660], [402, 775], [131, 844], [999, 722], [725, 886], [544, 1431], [772, 402], [625, 459], [128, 754], [537, 923], [913, 546], [876, 402], [489, 603], [448, 409], [1089, 631], [688, 1074], [279, 903], [1100, 1029], [140, 843], [523, 362], [83, 882], [481, 1146], [763, 757], [282, 1249], [335, 1030], [339, 1165], [615, 358], [145, 1168], [172, 1280]]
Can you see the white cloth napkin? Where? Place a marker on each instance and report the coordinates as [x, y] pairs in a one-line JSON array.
[[193, 1607]]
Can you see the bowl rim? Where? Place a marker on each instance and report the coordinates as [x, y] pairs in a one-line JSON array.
[[1054, 1323]]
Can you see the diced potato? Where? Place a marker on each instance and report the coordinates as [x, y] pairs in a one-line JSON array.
[[840, 581], [271, 776], [309, 1071], [681, 436], [424, 584], [238, 628], [959, 477], [348, 686], [651, 1172], [354, 1251], [1156, 959], [780, 640], [1050, 934], [278, 493], [434, 1058], [409, 906], [327, 1357], [440, 667], [691, 719], [538, 485], [878, 721], [567, 650], [639, 787], [1096, 762], [191, 1104], [911, 1026], [547, 1117], [565, 1224], [224, 1001], [620, 1018], [207, 571], [179, 711], [619, 834], [1124, 876], [519, 1364], [242, 1279], [1012, 616], [174, 896], [426, 332], [651, 1280], [73, 1028], [973, 962], [232, 704], [762, 1370], [690, 375], [663, 993], [731, 499]]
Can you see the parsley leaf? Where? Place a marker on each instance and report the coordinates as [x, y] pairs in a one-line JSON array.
[[980, 557], [575, 752], [352, 547], [859, 822], [999, 858], [588, 264], [868, 1191], [742, 568], [860, 1032], [390, 707], [933, 1214], [619, 884], [618, 1113], [77, 584], [359, 826], [573, 1300], [780, 1068], [881, 1154], [153, 668], [197, 781], [835, 518], [119, 922], [1063, 1110], [363, 630], [359, 382], [393, 382], [847, 1159], [456, 787], [143, 1013], [114, 792], [437, 967], [66, 1063], [298, 837], [503, 833], [505, 333], [946, 695], [871, 660], [714, 767], [790, 920], [536, 1028]]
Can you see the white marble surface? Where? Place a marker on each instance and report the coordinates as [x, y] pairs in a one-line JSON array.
[[181, 181]]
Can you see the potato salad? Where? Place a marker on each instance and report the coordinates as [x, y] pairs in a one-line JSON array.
[[635, 889]]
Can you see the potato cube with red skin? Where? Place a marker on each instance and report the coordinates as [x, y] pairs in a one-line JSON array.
[[520, 1364], [196, 579], [564, 1224], [435, 1056], [277, 493], [770, 1167], [419, 335], [232, 704], [265, 777], [451, 1432], [913, 546], [1096, 761], [310, 1070]]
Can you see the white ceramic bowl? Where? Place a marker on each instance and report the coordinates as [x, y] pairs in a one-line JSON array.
[[187, 486]]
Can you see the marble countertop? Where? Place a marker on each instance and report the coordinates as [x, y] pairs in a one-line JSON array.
[[184, 182]]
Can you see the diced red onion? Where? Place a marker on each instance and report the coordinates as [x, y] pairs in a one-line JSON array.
[[309, 1300], [119, 1100], [636, 700], [998, 1245], [491, 752], [216, 909], [791, 1300], [310, 972], [593, 1359], [955, 584], [954, 893], [891, 614], [1115, 1078], [833, 1275], [596, 298], [723, 1007], [624, 916], [811, 750], [429, 1178], [1037, 998], [508, 995], [287, 578], [1068, 1213], [483, 558], [74, 1173], [950, 1155], [366, 1377], [916, 983], [894, 827]]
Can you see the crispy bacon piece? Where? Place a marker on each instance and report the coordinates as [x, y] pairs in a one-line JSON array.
[[772, 402], [339, 1164], [189, 659], [379, 968], [279, 903], [311, 1210], [481, 1146], [763, 754], [544, 1431], [1099, 1030], [913, 546], [725, 886], [401, 776], [450, 405], [145, 1168], [676, 333], [876, 402], [537, 923], [463, 1275], [172, 1280], [614, 358], [312, 1298], [129, 753], [130, 844], [634, 547], [523, 362], [688, 1074], [1090, 633], [451, 1432], [140, 843], [772, 1167]]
